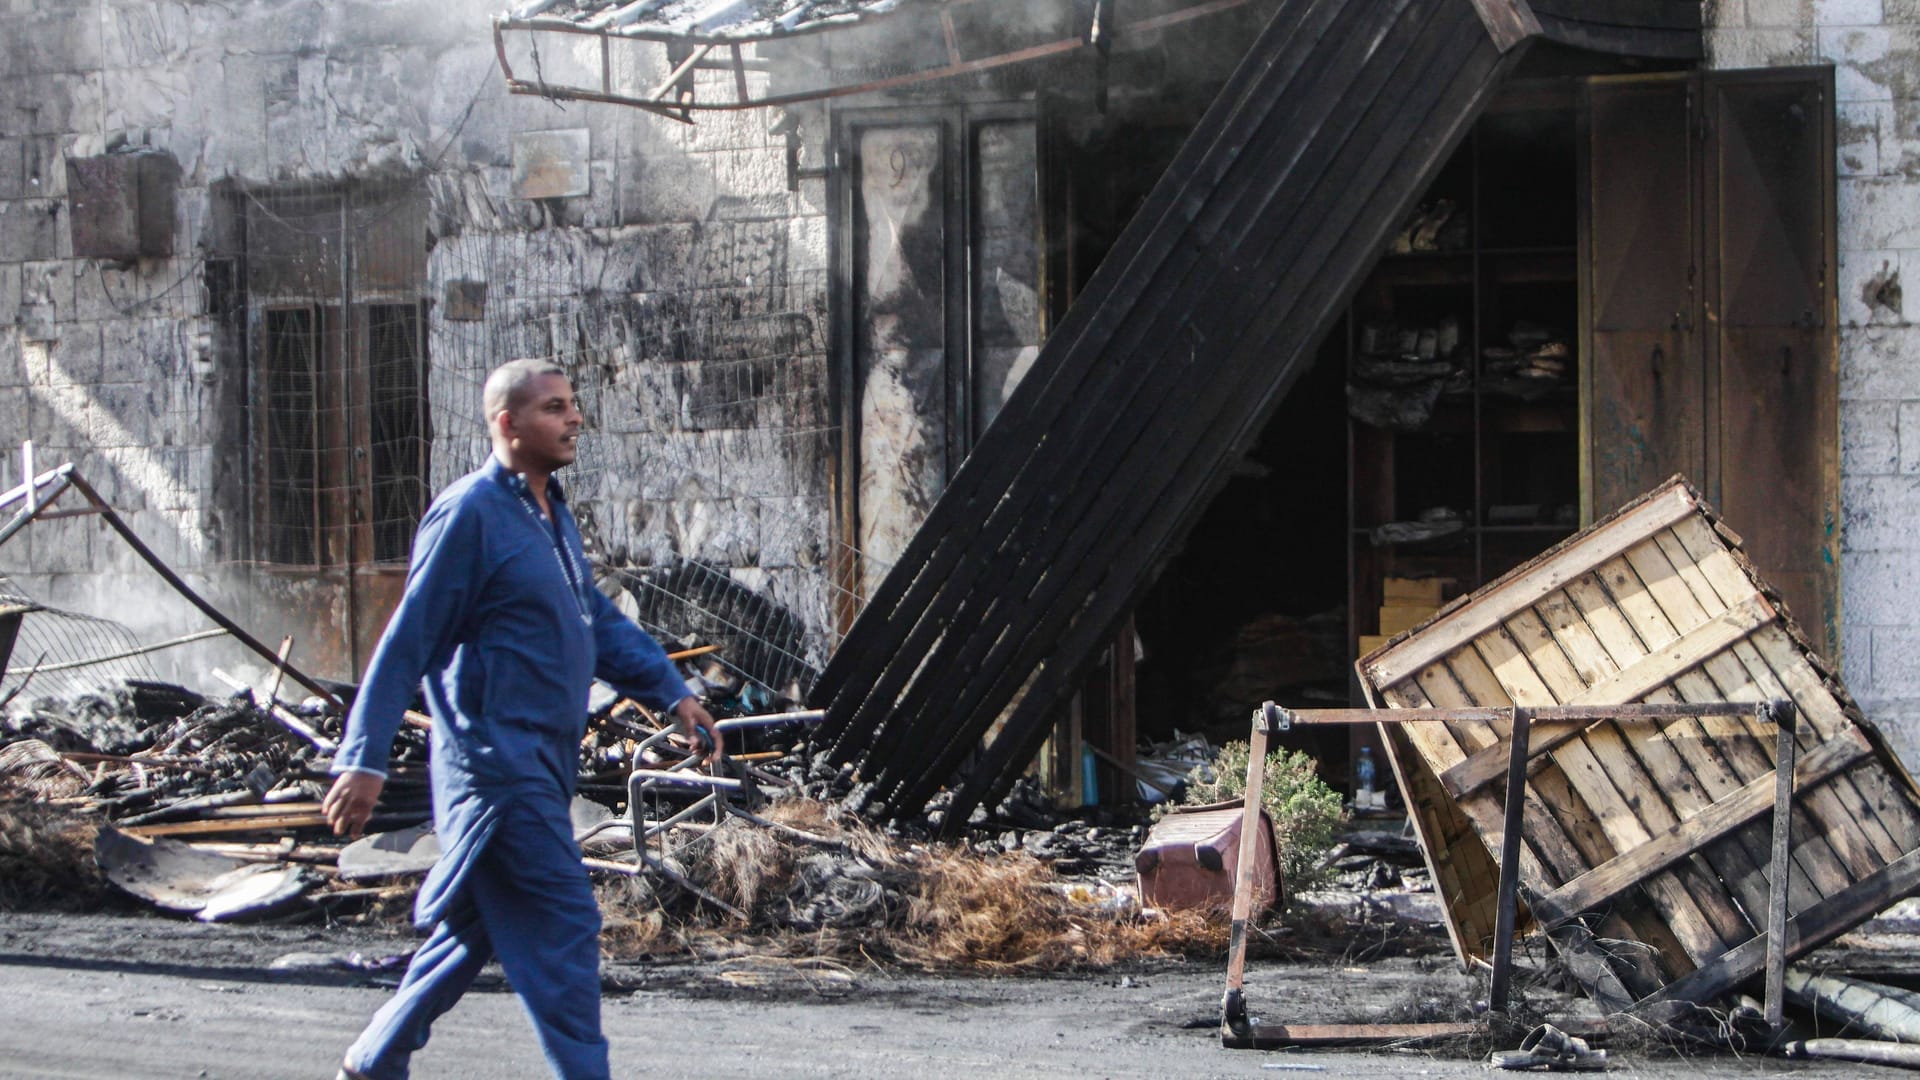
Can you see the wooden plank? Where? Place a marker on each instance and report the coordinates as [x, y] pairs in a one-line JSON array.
[[1278, 1036], [1509, 22], [1873, 811], [1580, 641], [1689, 650], [1672, 775], [1599, 769], [1602, 883], [1662, 607], [1623, 687], [1744, 741], [263, 823], [1084, 591], [1017, 535], [1249, 853], [1452, 854], [1806, 932], [1887, 816], [1471, 915], [1558, 849], [1437, 742], [1136, 280], [1531, 584], [1606, 611]]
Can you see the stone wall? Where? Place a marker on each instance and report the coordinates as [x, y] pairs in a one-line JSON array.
[[687, 289], [1874, 46]]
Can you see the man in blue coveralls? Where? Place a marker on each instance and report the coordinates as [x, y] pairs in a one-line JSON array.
[[502, 620]]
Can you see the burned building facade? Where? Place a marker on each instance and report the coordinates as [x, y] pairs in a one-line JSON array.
[[279, 362], [792, 324]]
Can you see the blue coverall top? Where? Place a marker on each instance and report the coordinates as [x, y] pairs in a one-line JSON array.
[[501, 618]]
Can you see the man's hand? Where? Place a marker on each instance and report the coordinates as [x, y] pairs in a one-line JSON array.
[[349, 803], [694, 719]]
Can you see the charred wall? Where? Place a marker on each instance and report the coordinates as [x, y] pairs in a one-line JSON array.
[[678, 277]]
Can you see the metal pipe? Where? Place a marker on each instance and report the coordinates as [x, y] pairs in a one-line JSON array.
[[804, 716], [690, 779], [40, 501], [18, 491], [142, 650], [146, 555], [1233, 1006], [1507, 913], [656, 828], [1785, 717]]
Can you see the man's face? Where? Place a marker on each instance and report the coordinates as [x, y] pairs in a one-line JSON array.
[[546, 426]]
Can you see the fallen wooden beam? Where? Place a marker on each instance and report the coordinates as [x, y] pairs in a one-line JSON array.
[[1276, 1036], [1806, 932], [261, 823]]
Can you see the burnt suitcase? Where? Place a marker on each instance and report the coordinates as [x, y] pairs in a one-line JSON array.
[[1192, 855]]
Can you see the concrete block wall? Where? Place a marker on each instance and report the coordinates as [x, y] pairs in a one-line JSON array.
[[687, 288], [1874, 46]]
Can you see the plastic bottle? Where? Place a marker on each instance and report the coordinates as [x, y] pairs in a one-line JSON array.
[[1363, 775]]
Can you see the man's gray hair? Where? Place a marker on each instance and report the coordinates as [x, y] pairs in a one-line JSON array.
[[507, 386]]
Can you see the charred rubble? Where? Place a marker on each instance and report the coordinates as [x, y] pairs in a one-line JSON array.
[[210, 807]]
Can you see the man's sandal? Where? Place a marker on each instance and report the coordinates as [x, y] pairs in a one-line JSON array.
[[1547, 1047]]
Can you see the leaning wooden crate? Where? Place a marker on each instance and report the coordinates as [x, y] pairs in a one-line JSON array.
[[1654, 604]]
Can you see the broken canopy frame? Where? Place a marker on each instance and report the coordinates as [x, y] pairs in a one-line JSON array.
[[38, 495], [690, 47], [1165, 370], [1592, 890]]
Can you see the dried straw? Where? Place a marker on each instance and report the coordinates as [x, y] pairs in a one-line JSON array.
[[46, 855], [936, 907]]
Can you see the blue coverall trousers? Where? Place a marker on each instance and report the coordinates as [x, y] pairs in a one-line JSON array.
[[528, 901]]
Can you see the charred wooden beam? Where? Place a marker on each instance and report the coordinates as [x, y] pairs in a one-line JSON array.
[[1169, 333], [1178, 350]]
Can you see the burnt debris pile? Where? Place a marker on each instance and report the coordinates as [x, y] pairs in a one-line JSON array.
[[211, 807]]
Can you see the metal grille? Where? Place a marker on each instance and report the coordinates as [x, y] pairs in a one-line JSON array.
[[397, 375], [291, 437], [335, 276], [698, 354], [64, 653]]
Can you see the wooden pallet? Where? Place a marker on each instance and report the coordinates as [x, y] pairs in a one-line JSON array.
[[1646, 846]]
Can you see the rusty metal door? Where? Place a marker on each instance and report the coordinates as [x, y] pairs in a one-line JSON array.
[[1771, 298], [339, 433], [1647, 388], [1711, 299]]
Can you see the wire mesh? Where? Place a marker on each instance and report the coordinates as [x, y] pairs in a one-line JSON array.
[[337, 276], [702, 482], [65, 653], [364, 318]]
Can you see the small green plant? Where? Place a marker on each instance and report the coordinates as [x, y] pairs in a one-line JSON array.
[[1303, 808]]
